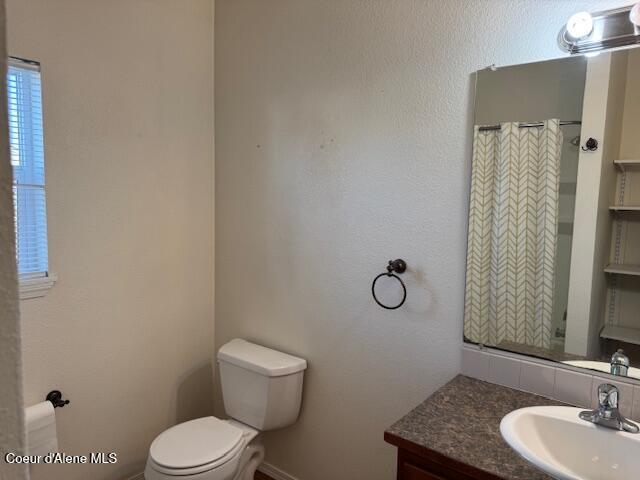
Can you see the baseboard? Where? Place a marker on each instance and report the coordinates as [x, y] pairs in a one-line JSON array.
[[274, 472], [265, 468]]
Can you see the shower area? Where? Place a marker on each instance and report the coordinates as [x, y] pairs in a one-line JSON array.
[[528, 122]]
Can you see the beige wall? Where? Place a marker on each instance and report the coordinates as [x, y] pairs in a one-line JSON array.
[[127, 332], [531, 92], [629, 147], [610, 150], [342, 141], [628, 289], [610, 115], [11, 414], [591, 231]]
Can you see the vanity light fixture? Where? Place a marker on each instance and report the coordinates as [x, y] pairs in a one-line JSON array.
[[634, 16], [592, 32]]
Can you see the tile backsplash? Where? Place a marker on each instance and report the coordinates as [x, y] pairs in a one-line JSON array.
[[573, 387], [546, 379], [504, 371], [536, 378]]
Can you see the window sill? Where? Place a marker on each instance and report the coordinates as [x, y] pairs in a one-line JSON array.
[[36, 287]]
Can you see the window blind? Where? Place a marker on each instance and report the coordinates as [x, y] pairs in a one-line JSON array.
[[27, 158]]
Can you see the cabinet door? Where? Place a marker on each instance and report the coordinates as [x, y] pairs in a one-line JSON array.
[[411, 472], [435, 467]]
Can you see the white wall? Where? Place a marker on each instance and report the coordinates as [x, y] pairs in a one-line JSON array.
[[11, 414], [342, 141], [127, 332]]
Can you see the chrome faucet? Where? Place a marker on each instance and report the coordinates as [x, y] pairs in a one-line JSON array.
[[619, 364], [607, 413]]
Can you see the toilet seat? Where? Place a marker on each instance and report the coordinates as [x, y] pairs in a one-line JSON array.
[[196, 446]]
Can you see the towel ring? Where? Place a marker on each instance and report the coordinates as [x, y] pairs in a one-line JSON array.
[[397, 266]]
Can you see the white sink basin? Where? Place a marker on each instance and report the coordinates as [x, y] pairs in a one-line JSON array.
[[601, 367], [562, 445]]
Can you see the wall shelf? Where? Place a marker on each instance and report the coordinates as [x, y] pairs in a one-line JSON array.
[[622, 334], [623, 269], [625, 164], [625, 208], [618, 266]]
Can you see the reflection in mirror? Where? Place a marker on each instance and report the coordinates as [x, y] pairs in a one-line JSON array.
[[553, 258]]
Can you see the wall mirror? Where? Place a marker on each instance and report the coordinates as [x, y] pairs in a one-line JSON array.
[[553, 257]]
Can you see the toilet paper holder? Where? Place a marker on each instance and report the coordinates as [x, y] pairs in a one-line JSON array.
[[55, 397]]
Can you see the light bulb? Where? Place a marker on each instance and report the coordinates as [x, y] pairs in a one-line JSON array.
[[580, 25], [634, 15]]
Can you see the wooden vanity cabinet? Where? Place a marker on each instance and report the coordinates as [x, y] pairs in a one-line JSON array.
[[419, 463]]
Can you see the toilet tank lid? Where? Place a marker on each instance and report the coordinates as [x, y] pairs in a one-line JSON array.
[[259, 359]]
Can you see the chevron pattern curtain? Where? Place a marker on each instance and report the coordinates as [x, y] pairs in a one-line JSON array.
[[513, 224]]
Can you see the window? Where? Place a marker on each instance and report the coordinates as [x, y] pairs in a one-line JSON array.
[[27, 158]]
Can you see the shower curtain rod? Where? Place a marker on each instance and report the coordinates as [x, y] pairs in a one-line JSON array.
[[530, 125]]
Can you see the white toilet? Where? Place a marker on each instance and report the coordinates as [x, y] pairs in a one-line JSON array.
[[262, 390]]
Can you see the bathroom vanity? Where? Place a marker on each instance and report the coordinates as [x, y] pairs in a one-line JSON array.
[[455, 434]]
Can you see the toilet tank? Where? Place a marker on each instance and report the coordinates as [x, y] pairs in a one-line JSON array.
[[261, 387]]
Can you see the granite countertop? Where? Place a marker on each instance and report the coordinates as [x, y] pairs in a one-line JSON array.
[[462, 421]]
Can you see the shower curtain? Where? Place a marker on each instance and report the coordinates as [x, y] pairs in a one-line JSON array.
[[513, 223]]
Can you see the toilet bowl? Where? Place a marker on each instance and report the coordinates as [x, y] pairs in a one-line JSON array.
[[205, 449], [261, 389]]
